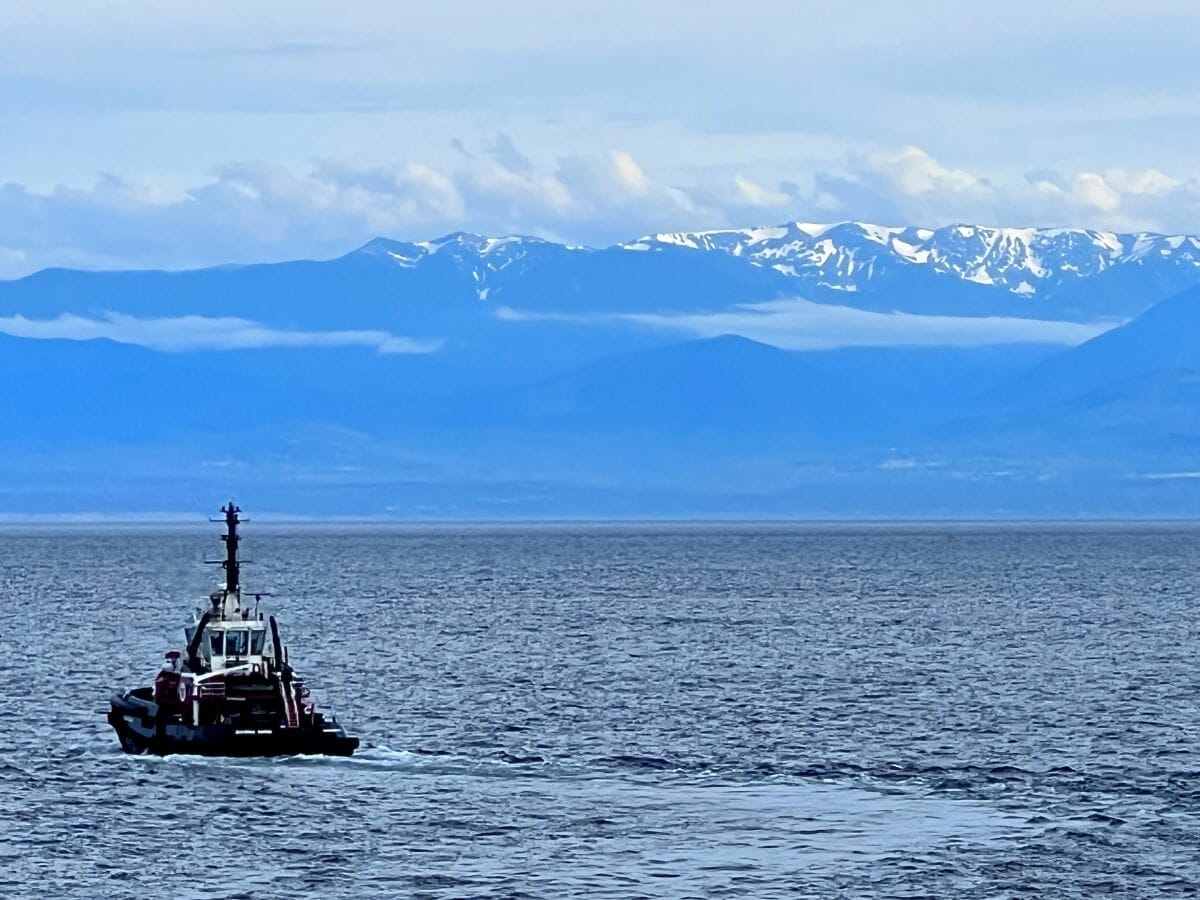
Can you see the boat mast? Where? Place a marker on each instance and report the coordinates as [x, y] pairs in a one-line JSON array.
[[230, 563]]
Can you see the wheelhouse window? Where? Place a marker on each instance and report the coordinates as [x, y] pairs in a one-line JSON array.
[[237, 642], [257, 639], [216, 643]]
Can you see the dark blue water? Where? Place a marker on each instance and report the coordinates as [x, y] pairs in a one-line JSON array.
[[757, 711]]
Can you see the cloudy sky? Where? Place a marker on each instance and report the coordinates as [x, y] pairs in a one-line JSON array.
[[141, 133]]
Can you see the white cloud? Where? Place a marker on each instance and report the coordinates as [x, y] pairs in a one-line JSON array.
[[916, 172], [255, 211], [201, 333], [803, 325], [1150, 181], [629, 173], [1093, 190], [913, 187], [756, 195]]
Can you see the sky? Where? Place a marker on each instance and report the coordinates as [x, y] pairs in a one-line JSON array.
[[144, 134]]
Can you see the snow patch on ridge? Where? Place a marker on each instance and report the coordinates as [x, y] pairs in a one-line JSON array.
[[855, 256], [1025, 261]]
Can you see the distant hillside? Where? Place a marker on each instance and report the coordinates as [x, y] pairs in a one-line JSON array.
[[456, 281], [516, 377]]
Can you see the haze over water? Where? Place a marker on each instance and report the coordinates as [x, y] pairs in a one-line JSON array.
[[625, 711]]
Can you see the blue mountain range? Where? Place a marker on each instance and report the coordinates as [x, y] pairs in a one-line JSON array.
[[799, 371]]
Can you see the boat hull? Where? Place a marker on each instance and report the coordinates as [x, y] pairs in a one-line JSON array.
[[141, 731]]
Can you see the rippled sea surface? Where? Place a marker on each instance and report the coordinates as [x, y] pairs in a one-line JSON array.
[[610, 711]]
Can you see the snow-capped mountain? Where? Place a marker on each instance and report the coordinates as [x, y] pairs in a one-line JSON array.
[[482, 259], [856, 256], [459, 282], [954, 270], [538, 274]]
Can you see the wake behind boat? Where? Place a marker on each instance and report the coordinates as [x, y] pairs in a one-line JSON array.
[[232, 691]]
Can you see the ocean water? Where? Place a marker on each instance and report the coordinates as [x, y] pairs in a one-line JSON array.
[[626, 711]]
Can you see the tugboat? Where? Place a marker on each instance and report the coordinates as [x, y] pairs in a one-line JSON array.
[[232, 691]]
